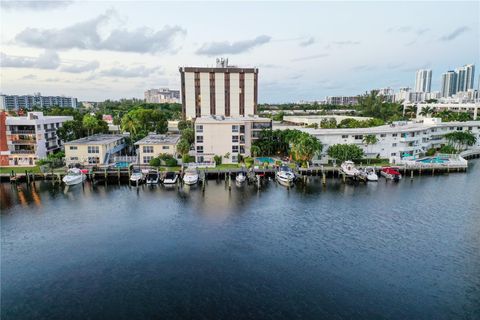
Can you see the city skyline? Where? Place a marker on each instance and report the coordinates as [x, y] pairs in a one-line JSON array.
[[98, 51]]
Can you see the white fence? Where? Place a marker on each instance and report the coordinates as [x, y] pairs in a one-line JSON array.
[[201, 165]]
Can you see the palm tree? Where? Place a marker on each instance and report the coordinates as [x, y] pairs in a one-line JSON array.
[[305, 147], [426, 111], [369, 140], [411, 111], [129, 124], [255, 151]]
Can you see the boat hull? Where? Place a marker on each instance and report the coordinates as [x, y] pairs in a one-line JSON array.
[[73, 181], [190, 180]]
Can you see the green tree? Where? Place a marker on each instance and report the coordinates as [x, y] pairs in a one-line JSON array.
[[184, 124], [461, 139], [411, 111], [188, 135], [71, 130], [304, 147], [344, 152], [426, 111], [370, 140], [89, 123], [255, 150], [183, 147]]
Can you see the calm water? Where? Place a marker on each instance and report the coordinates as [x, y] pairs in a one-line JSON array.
[[382, 251]]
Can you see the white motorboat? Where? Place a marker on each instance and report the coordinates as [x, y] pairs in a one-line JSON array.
[[153, 177], [370, 174], [348, 167], [74, 176], [170, 178], [136, 176], [190, 177], [241, 177], [285, 176]]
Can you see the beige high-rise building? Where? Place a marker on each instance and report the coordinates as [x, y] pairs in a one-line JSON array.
[[223, 90]]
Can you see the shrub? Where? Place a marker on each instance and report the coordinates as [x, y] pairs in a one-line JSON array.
[[448, 149], [430, 152], [155, 162], [218, 160], [171, 162], [187, 158], [248, 161]]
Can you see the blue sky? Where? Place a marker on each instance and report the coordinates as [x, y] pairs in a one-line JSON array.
[[100, 50]]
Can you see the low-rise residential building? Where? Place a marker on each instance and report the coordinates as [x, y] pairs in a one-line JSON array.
[[162, 95], [24, 140], [228, 137], [395, 141], [154, 145], [314, 119], [15, 102], [98, 149], [471, 108]]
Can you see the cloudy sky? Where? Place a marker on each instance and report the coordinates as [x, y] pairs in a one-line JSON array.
[[98, 50]]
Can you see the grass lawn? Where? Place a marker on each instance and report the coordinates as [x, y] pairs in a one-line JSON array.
[[170, 169], [35, 169], [227, 166]]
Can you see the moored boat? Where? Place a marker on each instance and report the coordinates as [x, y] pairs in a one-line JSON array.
[[285, 176], [153, 177], [241, 177], [390, 173], [190, 177], [370, 174], [170, 178], [74, 176], [349, 169], [136, 176]]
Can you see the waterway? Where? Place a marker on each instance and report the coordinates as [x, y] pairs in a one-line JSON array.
[[407, 250]]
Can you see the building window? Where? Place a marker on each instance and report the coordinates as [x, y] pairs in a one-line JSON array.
[[393, 154], [165, 147], [93, 149], [451, 128], [242, 129], [242, 149], [73, 158], [234, 149], [200, 159], [242, 139], [235, 139], [199, 139], [383, 135], [199, 149], [394, 144], [459, 128], [73, 147], [146, 159], [234, 158], [344, 136], [235, 128], [394, 135], [93, 160], [199, 128], [147, 149], [359, 137]]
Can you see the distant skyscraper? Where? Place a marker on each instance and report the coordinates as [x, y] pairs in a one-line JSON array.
[[423, 80], [449, 83], [465, 77]]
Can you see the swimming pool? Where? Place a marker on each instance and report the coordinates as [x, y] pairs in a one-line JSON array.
[[122, 164], [433, 160], [265, 159]]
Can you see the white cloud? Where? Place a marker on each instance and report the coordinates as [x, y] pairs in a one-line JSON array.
[[89, 66], [307, 42], [33, 5], [47, 60], [225, 47], [125, 72], [85, 35]]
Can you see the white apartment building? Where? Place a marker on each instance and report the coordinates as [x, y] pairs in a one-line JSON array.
[[471, 108], [465, 78], [154, 145], [30, 138], [342, 100], [449, 83], [395, 141], [14, 102], [162, 95], [97, 149], [228, 137], [223, 90], [423, 80]]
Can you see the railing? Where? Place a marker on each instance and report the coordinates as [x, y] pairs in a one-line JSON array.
[[22, 152], [130, 159], [201, 165], [22, 132], [23, 141], [50, 129]]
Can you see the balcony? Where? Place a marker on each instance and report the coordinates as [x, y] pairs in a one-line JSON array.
[[22, 152], [24, 141], [50, 129], [22, 132]]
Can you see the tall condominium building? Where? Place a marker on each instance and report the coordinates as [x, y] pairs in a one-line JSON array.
[[162, 95], [223, 90], [24, 140], [465, 78], [423, 80], [14, 102], [449, 83]]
